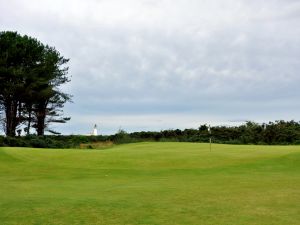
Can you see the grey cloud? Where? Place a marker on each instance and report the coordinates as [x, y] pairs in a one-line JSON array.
[[228, 59]]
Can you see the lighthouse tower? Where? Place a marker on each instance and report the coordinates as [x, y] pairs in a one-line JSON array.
[[95, 132]]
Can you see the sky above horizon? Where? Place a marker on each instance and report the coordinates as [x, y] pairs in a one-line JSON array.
[[167, 64]]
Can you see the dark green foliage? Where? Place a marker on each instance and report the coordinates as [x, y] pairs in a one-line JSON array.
[[30, 76], [50, 141], [274, 133]]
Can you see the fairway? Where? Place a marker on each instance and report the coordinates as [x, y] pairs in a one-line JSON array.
[[151, 183]]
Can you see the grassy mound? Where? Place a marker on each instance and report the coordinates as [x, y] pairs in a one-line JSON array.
[[151, 183]]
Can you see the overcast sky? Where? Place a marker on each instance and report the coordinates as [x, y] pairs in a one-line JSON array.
[[160, 64]]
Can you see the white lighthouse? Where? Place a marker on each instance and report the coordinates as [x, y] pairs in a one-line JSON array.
[[95, 132]]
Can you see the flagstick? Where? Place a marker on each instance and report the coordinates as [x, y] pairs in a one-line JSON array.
[[209, 131]]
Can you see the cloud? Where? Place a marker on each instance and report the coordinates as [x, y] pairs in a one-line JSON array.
[[129, 59]]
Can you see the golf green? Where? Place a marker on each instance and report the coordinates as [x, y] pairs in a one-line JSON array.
[[151, 183]]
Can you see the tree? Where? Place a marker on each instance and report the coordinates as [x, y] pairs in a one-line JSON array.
[[30, 76], [13, 65], [51, 100]]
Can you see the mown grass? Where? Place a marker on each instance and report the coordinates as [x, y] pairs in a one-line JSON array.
[[151, 183]]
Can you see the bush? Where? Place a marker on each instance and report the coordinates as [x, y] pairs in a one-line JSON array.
[[38, 143], [279, 132]]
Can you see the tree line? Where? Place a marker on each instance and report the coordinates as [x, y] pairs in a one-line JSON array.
[[31, 74], [271, 133]]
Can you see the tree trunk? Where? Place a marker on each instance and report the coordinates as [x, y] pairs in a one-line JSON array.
[[40, 124], [29, 109], [41, 118], [11, 117]]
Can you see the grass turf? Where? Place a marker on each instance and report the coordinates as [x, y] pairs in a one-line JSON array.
[[151, 183]]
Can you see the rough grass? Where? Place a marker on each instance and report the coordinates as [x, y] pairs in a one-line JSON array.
[[151, 183], [97, 145]]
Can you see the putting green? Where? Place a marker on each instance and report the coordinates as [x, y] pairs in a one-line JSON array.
[[151, 183]]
